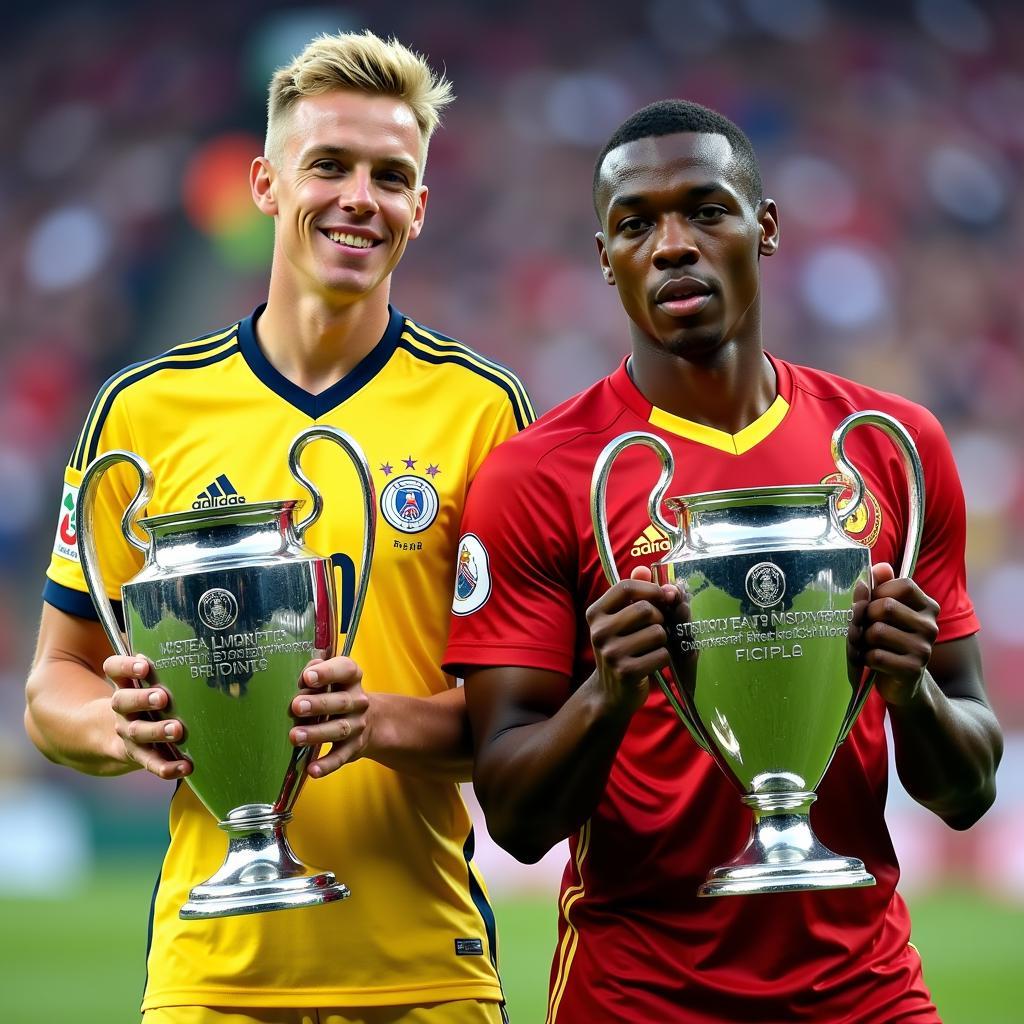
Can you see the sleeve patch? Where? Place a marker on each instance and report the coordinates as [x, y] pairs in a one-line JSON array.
[[472, 576], [65, 543]]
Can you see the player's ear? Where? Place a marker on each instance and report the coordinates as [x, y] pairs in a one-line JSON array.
[[262, 180], [420, 212], [602, 255], [768, 224]]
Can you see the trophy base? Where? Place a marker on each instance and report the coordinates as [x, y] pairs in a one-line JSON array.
[[784, 855], [260, 873]]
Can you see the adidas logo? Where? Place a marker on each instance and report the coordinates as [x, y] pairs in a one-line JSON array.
[[218, 495], [650, 541]]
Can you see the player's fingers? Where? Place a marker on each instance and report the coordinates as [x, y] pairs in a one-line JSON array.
[[631, 619], [336, 702], [141, 731], [132, 700], [624, 593], [637, 669], [338, 671], [892, 612], [155, 763], [339, 754], [905, 592], [894, 664], [337, 730], [880, 636], [670, 593], [881, 572], [625, 648], [118, 667]]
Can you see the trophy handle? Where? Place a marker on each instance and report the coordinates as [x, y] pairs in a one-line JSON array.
[[355, 453], [915, 495], [599, 519], [85, 509]]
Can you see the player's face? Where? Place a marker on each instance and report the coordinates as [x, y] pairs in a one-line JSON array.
[[681, 241], [346, 195]]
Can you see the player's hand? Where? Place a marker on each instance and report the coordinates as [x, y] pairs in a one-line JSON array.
[[334, 689], [893, 633], [628, 634], [145, 742]]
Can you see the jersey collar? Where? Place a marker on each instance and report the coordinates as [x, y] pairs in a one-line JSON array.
[[734, 444], [319, 405]]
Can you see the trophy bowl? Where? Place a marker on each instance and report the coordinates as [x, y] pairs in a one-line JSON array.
[[228, 609], [758, 647]]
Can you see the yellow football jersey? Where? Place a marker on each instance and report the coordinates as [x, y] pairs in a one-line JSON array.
[[214, 419]]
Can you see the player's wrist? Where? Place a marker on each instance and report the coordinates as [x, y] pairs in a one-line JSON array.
[[381, 732], [913, 702], [613, 700]]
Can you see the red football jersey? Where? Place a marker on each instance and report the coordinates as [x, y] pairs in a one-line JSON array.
[[635, 942]]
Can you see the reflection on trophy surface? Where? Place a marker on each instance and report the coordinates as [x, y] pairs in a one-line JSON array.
[[758, 646], [228, 609]]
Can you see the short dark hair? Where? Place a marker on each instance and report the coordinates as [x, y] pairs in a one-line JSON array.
[[667, 117]]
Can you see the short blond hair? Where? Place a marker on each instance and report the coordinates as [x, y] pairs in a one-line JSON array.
[[365, 63]]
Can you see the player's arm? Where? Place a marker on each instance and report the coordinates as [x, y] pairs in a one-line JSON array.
[[947, 740], [543, 753], [75, 718], [427, 736]]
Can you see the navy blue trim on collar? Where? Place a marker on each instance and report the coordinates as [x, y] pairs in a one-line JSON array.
[[316, 406]]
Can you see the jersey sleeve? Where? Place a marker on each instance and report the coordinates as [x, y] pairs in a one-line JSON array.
[[941, 569], [511, 412], [65, 586], [514, 596]]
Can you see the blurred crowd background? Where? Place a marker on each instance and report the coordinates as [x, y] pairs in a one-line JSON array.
[[891, 135]]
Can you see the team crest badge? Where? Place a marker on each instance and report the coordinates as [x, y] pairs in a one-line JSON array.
[[865, 524], [472, 576], [409, 503]]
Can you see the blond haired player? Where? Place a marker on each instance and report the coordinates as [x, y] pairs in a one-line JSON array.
[[342, 175]]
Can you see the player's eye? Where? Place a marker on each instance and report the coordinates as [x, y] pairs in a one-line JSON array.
[[393, 177], [327, 166], [631, 225], [709, 212]]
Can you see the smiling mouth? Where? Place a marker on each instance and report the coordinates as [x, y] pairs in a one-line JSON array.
[[351, 241]]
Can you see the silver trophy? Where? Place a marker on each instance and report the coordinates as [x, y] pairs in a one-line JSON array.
[[228, 609], [758, 648]]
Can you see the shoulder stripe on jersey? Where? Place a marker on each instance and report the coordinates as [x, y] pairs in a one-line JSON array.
[[441, 343], [204, 344], [523, 420], [459, 360], [570, 940], [186, 357]]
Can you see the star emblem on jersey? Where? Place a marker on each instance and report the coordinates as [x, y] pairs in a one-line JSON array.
[[472, 576], [865, 524], [409, 503]]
